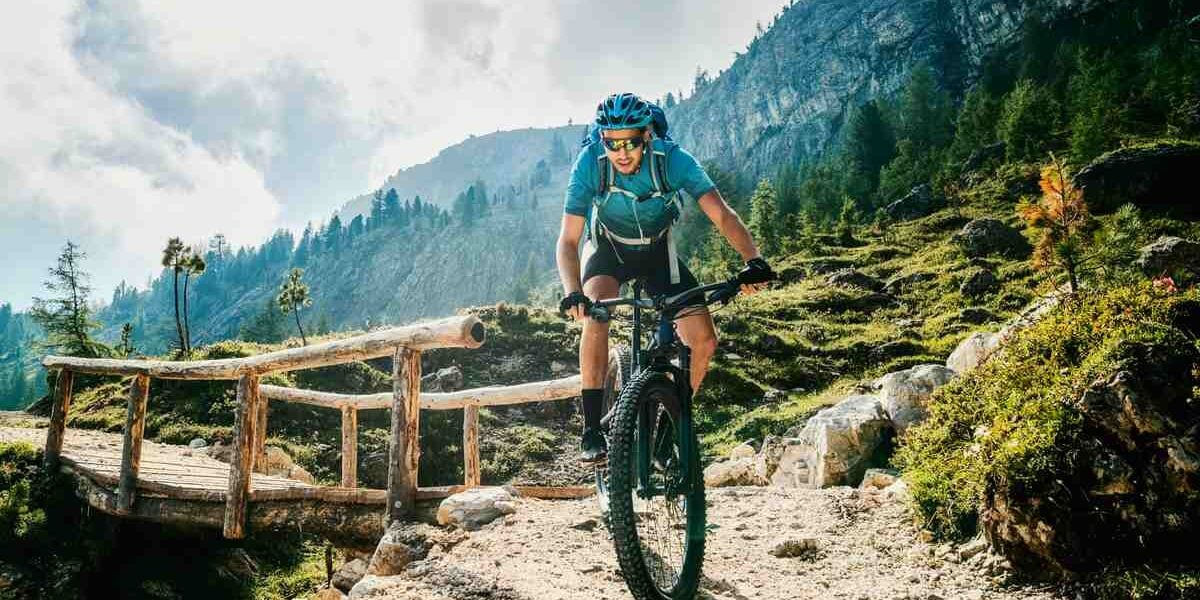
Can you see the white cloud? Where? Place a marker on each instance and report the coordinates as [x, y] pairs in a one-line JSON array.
[[128, 121]]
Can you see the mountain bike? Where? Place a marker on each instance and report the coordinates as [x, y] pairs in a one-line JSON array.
[[651, 489]]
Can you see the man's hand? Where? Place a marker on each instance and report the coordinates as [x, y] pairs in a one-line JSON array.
[[755, 275], [574, 305]]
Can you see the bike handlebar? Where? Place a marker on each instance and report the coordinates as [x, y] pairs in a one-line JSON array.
[[722, 292]]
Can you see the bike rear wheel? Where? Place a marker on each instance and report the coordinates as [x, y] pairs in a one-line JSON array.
[[656, 509]]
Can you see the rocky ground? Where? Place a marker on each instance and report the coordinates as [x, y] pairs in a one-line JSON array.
[[863, 547]]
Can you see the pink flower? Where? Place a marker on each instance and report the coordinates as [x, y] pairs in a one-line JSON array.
[[1166, 284]]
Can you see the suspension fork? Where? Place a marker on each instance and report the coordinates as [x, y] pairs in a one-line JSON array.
[[683, 389]]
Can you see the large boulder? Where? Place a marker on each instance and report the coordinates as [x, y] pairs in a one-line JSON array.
[[917, 203], [476, 507], [901, 283], [400, 545], [1173, 257], [837, 445], [972, 351], [979, 282], [349, 574], [855, 279], [732, 471], [1134, 488], [1157, 177], [904, 394], [987, 236]]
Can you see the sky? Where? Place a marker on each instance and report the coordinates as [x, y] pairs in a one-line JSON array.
[[126, 122]]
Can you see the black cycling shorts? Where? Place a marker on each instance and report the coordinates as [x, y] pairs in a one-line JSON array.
[[646, 263]]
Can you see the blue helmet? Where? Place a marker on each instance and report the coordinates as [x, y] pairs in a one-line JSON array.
[[623, 111]]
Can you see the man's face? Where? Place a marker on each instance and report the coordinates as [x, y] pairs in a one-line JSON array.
[[626, 161]]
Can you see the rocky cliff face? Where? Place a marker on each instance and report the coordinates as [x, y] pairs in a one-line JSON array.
[[500, 159], [787, 97]]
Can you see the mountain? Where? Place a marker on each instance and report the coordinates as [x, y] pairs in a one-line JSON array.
[[501, 159], [786, 97]]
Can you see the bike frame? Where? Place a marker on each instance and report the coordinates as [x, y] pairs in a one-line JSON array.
[[664, 344]]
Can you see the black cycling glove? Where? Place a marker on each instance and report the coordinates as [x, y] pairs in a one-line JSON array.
[[756, 271], [571, 300]]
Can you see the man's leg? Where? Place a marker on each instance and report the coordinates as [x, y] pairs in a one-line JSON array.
[[593, 362], [697, 331]]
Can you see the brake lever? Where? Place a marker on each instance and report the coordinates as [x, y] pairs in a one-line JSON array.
[[600, 314]]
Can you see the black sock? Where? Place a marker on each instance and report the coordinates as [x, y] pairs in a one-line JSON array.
[[593, 400]]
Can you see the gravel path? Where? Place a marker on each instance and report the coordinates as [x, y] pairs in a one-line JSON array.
[[867, 548]]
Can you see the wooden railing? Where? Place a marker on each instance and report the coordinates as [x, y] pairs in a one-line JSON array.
[[404, 344], [468, 400]]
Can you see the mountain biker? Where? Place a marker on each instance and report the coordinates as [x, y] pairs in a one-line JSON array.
[[624, 192]]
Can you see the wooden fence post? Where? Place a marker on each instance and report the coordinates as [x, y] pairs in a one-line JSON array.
[[349, 447], [471, 445], [260, 433], [404, 451], [131, 449], [58, 419], [243, 456]]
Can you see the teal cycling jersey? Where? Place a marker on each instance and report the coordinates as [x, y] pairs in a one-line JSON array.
[[618, 211]]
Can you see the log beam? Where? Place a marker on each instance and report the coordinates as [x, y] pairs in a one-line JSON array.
[[537, 391], [451, 332], [471, 446], [234, 526], [349, 447], [260, 433], [58, 419], [131, 448], [404, 451]]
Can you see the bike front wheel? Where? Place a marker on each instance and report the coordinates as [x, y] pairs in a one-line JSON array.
[[656, 500]]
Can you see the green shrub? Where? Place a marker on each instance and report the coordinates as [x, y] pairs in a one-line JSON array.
[[1005, 423]]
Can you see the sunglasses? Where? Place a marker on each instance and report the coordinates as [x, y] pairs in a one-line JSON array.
[[630, 144]]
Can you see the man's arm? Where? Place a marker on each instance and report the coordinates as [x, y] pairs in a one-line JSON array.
[[567, 254], [728, 223]]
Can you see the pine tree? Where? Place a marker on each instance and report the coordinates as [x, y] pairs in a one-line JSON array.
[[333, 234], [869, 145], [848, 221], [293, 295], [976, 124], [66, 317], [391, 206], [764, 218], [1096, 111], [1027, 121], [266, 326], [377, 211], [1062, 219], [126, 348]]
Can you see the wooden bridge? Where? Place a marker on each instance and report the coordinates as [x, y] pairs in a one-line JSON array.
[[151, 482]]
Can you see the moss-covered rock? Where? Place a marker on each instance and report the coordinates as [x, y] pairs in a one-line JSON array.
[[1077, 443]]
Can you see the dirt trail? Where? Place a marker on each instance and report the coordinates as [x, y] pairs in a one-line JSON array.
[[867, 549]]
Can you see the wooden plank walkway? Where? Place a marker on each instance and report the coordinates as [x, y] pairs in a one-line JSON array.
[[178, 485]]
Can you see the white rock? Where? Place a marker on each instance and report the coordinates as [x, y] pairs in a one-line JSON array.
[[299, 474], [475, 507], [329, 594], [972, 548], [904, 394], [197, 443], [734, 471], [743, 450], [878, 479], [972, 351], [836, 445], [792, 466], [897, 492], [346, 577]]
